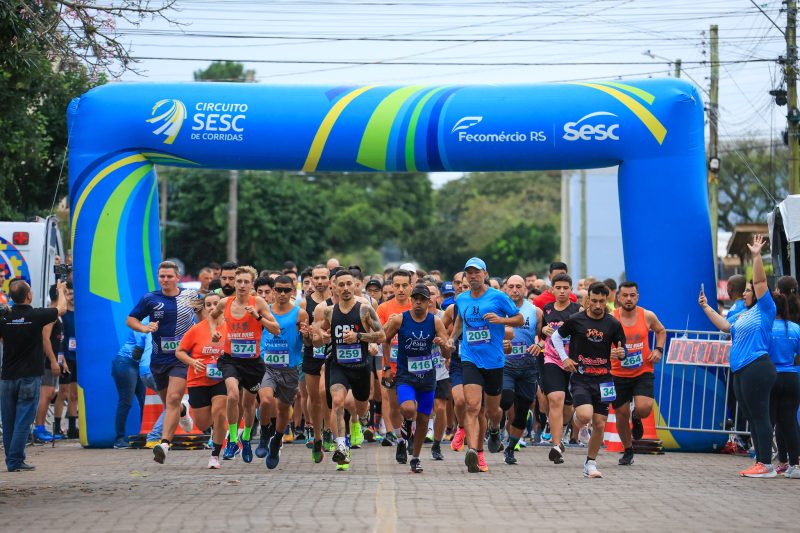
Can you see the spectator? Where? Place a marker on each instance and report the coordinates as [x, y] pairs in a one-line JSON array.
[[126, 373], [53, 334], [68, 390], [204, 277], [21, 330]]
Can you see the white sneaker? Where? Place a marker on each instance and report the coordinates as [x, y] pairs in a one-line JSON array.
[[382, 428], [160, 452], [584, 435], [590, 470], [186, 421], [213, 462], [793, 472]]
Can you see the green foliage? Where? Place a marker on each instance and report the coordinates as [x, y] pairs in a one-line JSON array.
[[224, 71], [525, 244]]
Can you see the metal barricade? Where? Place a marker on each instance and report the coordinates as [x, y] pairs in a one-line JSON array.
[[695, 396]]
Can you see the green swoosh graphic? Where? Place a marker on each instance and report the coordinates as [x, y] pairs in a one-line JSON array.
[[411, 160], [375, 141]]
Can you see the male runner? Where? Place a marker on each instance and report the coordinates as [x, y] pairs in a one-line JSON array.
[[314, 357], [548, 296], [417, 330], [520, 374], [171, 315], [352, 324], [634, 376], [595, 337], [455, 369], [283, 354], [241, 364], [442, 394], [483, 313]]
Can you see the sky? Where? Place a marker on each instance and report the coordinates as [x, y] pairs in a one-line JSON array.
[[340, 42]]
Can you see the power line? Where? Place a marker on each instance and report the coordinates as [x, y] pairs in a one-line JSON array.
[[768, 17]]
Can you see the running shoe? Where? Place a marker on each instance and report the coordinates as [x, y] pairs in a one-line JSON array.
[[327, 440], [356, 435], [793, 472], [73, 433], [247, 451], [288, 436], [494, 441], [41, 434], [231, 451], [342, 455], [537, 437], [584, 435], [274, 455], [436, 452], [521, 443], [416, 466], [299, 435], [781, 468], [471, 460], [627, 458], [213, 462], [186, 421], [482, 466], [369, 434], [458, 440], [590, 469], [263, 443], [429, 437], [317, 455], [121, 444], [148, 445], [343, 468], [508, 456], [401, 455], [160, 452], [556, 454], [389, 440], [637, 430], [759, 470]]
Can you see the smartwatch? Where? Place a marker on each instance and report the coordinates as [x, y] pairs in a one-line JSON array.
[[358, 336]]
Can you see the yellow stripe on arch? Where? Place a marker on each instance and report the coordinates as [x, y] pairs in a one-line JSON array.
[[321, 137], [137, 158], [648, 119]]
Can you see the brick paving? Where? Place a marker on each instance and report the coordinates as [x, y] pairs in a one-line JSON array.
[[77, 489]]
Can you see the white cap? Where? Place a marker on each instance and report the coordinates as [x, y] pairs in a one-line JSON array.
[[409, 266]]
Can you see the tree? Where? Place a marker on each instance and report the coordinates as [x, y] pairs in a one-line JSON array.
[[741, 198], [225, 71]]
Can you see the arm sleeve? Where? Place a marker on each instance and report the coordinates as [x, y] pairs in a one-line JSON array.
[[507, 306], [565, 330], [558, 344], [767, 305]]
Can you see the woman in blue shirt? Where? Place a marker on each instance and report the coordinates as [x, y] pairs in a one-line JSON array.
[[753, 370], [785, 398]]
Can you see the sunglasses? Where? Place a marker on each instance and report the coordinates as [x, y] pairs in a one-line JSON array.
[[284, 290]]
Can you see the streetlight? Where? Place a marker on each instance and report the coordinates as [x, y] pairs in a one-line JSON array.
[[670, 62]]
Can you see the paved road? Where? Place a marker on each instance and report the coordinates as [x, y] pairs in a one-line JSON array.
[[75, 489]]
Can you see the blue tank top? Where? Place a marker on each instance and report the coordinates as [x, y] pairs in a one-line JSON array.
[[284, 350], [415, 364], [524, 337]]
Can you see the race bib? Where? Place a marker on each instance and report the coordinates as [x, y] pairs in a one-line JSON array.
[[517, 350], [243, 348], [420, 365], [169, 344], [319, 352], [393, 353], [348, 353], [634, 360], [71, 344], [479, 335], [438, 360], [277, 358], [608, 393], [213, 372]]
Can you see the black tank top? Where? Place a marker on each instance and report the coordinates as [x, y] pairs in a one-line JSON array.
[[350, 355], [311, 305]]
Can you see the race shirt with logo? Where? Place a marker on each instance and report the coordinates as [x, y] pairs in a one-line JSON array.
[[351, 355], [524, 338], [198, 344], [174, 315], [554, 318], [590, 344], [482, 342], [243, 340], [415, 361], [286, 349], [385, 311], [637, 348]]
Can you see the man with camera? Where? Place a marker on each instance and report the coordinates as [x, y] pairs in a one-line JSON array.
[[21, 330]]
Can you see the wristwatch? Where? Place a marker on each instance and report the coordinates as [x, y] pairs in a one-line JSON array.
[[358, 336], [387, 368], [660, 349]]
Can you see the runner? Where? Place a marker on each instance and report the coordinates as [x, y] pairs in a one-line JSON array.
[[520, 374], [417, 331], [455, 369], [314, 358], [634, 377], [352, 324], [207, 394], [549, 296], [283, 354], [595, 337], [171, 314], [241, 364], [555, 380], [483, 313], [442, 394]]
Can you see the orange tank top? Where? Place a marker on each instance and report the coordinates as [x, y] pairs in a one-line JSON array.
[[638, 347], [243, 338]]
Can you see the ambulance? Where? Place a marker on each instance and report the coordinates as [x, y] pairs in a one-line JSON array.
[[28, 250]]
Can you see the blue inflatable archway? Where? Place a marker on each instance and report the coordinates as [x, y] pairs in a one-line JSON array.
[[652, 129]]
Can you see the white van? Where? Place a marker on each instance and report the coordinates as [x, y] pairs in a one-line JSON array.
[[28, 250]]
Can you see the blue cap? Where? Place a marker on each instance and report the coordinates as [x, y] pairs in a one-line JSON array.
[[475, 262], [447, 288]]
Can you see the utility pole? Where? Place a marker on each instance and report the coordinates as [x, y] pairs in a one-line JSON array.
[[583, 224], [233, 213], [790, 75], [713, 141], [678, 68]]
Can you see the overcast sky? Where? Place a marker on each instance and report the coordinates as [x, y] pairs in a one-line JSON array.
[[335, 42]]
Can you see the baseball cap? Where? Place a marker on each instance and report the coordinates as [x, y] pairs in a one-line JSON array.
[[421, 290], [475, 262], [409, 267], [375, 282], [447, 288]]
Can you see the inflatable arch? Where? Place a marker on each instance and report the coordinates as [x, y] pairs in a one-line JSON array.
[[652, 129]]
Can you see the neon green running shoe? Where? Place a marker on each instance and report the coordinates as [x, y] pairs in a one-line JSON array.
[[327, 441], [317, 455], [356, 435], [343, 468]]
